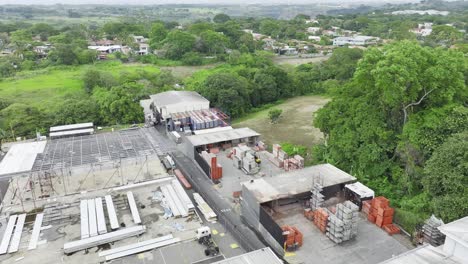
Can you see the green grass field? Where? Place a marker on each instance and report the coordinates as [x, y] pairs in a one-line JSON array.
[[295, 125], [47, 87]]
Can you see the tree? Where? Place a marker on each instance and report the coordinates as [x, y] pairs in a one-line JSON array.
[[227, 91], [444, 35], [213, 42], [221, 18], [3, 136], [157, 34], [342, 63], [74, 111], [178, 43], [446, 178], [274, 115]]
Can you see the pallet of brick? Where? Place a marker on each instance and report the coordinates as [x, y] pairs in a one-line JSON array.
[[391, 229], [282, 155], [431, 232], [309, 214], [276, 148], [321, 219], [300, 161]]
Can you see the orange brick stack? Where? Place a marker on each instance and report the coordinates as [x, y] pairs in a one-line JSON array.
[[381, 214], [293, 237], [366, 205], [321, 219]]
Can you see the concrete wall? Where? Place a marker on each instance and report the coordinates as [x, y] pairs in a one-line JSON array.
[[250, 210]]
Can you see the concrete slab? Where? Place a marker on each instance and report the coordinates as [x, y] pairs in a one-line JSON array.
[[21, 157], [372, 244]]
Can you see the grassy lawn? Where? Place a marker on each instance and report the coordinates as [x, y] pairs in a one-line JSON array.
[[295, 125], [45, 88]]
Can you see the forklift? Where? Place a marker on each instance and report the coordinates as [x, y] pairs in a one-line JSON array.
[[204, 238]]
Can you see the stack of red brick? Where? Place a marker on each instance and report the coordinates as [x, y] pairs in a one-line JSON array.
[[293, 237], [379, 212], [321, 219], [309, 214]]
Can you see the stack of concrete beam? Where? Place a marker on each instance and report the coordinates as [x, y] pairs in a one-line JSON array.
[[317, 198], [177, 199], [206, 210], [431, 233]]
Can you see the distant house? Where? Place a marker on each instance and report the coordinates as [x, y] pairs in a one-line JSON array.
[[144, 49], [105, 50], [330, 33], [314, 38], [42, 51], [312, 21], [355, 41], [313, 30], [140, 39], [423, 30], [249, 31], [288, 51]]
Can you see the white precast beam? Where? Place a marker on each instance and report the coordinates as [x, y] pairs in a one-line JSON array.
[[180, 204], [182, 195], [36, 231], [135, 245], [92, 218], [142, 249], [8, 233], [135, 185], [84, 219], [114, 223], [101, 220], [16, 239], [74, 246], [133, 208], [174, 209]]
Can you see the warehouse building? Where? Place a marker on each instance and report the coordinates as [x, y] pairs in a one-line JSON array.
[[294, 186], [172, 102]]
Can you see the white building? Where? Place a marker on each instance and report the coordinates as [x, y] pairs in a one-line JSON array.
[[166, 103], [454, 250], [106, 49], [144, 49], [314, 38], [355, 41], [140, 39]]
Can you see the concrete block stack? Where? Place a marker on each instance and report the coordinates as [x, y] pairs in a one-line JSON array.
[[431, 233], [349, 213], [321, 219], [300, 161], [335, 229], [317, 198]]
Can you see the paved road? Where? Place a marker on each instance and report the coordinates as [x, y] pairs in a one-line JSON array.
[[226, 215]]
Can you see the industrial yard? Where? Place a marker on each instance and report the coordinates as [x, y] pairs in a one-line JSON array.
[[190, 189]]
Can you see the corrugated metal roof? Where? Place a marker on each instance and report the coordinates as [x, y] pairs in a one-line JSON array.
[[220, 136], [176, 97], [261, 256], [70, 127], [296, 182]]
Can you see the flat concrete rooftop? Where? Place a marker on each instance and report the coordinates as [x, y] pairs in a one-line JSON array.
[[20, 157], [425, 254], [221, 136], [296, 182]]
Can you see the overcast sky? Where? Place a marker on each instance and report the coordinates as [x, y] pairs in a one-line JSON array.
[[156, 2]]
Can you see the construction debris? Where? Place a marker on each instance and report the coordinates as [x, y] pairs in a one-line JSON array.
[[431, 232]]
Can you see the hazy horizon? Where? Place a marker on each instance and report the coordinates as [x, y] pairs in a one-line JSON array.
[[204, 2]]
